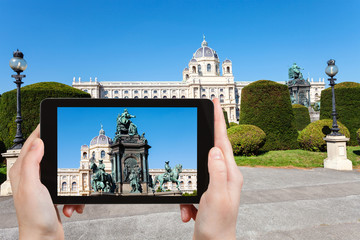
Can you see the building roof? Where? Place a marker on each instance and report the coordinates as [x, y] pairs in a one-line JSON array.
[[205, 51], [101, 139]]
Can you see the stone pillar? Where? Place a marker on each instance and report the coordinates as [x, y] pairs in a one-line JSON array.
[[11, 156], [336, 151]]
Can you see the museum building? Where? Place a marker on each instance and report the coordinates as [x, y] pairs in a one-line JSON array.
[[77, 181], [204, 77]]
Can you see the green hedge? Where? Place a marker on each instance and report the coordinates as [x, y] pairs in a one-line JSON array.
[[312, 137], [246, 139], [358, 135], [347, 96], [302, 116], [232, 124], [226, 119], [266, 104], [31, 96]]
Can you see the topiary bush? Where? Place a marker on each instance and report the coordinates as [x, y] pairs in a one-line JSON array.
[[266, 104], [31, 96], [226, 119], [302, 116], [246, 139], [347, 95], [358, 135], [232, 124], [312, 137]]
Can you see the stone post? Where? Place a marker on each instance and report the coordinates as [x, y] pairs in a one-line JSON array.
[[11, 156], [336, 151]]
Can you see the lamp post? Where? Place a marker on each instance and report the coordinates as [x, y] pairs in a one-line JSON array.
[[331, 70], [18, 64]]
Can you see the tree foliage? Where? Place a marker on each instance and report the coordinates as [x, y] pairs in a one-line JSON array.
[[266, 104], [302, 116], [347, 96]]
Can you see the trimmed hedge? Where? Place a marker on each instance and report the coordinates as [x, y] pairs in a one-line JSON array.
[[232, 124], [302, 116], [358, 135], [31, 96], [312, 137], [266, 104], [226, 119], [347, 96], [246, 139]]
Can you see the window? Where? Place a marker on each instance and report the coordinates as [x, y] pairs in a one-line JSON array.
[[93, 154], [183, 96], [136, 91], [106, 97], [208, 68], [146, 97], [164, 91], [228, 69], [203, 90], [155, 91], [116, 92], [212, 90], [203, 96], [187, 76], [126, 91], [116, 97], [145, 91], [102, 154], [315, 89], [221, 98], [164, 96], [84, 155], [74, 187], [63, 187], [217, 68], [199, 68], [85, 90], [221, 90], [136, 97], [155, 96], [126, 97], [212, 96], [173, 96], [106, 92]]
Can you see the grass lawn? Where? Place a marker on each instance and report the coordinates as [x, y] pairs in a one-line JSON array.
[[295, 158]]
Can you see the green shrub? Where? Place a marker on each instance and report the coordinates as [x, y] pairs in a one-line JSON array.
[[266, 104], [347, 95], [358, 135], [31, 96], [190, 194], [232, 124], [312, 137], [302, 116], [246, 139], [226, 119]]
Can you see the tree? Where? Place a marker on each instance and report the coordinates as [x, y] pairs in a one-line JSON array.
[[302, 116]]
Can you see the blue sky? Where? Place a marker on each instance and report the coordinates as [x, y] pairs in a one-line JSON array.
[[171, 133], [112, 40]]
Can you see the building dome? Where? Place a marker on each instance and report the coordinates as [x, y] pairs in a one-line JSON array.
[[193, 60], [84, 146], [101, 139], [205, 51], [227, 61]]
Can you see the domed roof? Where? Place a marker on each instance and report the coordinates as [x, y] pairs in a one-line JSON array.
[[84, 146], [102, 139], [205, 51], [193, 60], [227, 61]]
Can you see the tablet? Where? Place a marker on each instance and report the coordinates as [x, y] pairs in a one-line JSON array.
[[126, 150]]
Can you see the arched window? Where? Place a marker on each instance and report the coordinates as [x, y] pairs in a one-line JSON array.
[[85, 90], [145, 91], [136, 97], [146, 97], [63, 187], [136, 91], [173, 96], [164, 96], [221, 90], [187, 76], [212, 90], [212, 96], [189, 182], [84, 155], [221, 98], [194, 69], [126, 97], [93, 154], [126, 91], [203, 96], [182, 184], [74, 187], [217, 68], [155, 96], [116, 92], [116, 97], [228, 69], [208, 68], [183, 96], [199, 68], [102, 154], [164, 91], [155, 91]]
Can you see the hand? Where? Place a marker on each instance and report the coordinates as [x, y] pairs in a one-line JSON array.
[[218, 208], [38, 218]]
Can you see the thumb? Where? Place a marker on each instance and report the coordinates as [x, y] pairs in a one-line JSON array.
[[30, 166], [217, 170]]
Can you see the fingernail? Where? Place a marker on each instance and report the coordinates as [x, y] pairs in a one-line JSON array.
[[35, 144], [216, 154]]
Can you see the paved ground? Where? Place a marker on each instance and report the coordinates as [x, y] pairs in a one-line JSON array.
[[275, 204]]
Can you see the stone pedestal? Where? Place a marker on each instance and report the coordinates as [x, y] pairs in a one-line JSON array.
[[11, 156], [336, 151]]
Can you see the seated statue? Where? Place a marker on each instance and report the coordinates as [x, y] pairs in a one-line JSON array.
[[125, 125]]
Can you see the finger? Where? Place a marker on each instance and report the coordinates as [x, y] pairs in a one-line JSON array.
[[35, 134], [188, 211], [217, 170], [222, 141], [68, 210], [30, 167]]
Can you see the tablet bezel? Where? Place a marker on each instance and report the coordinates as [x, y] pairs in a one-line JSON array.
[[48, 133]]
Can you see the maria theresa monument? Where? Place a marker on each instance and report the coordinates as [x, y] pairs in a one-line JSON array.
[[205, 77]]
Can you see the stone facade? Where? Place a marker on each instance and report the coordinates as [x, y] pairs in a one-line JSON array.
[[201, 79]]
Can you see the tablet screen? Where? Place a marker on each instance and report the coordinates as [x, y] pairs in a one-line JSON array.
[[127, 151]]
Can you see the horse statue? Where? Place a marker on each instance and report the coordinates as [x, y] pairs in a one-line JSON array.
[[101, 181], [171, 175]]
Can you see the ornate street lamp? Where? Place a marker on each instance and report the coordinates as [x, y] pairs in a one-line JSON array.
[[18, 64], [331, 70]]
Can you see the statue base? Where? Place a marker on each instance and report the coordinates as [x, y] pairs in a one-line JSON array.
[[11, 156], [337, 155], [169, 193]]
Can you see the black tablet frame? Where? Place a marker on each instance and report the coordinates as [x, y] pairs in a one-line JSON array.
[[48, 133]]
